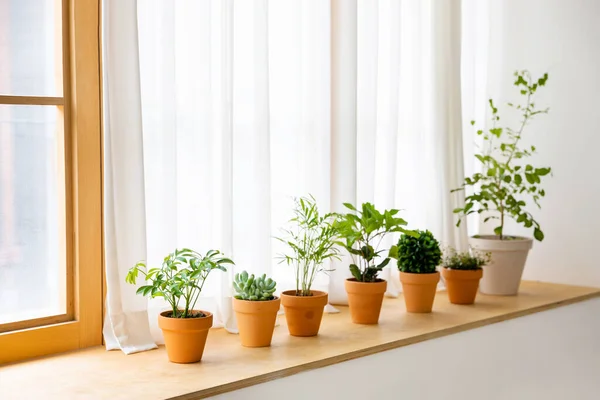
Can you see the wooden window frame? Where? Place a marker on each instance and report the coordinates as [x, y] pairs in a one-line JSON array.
[[81, 326]]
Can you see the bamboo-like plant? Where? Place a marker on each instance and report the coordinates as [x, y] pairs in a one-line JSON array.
[[181, 277], [502, 188], [311, 242]]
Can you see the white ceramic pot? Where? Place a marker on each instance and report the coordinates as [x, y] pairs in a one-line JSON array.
[[502, 275]]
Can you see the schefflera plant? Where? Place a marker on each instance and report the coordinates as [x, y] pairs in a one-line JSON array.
[[255, 308], [506, 181], [249, 287]]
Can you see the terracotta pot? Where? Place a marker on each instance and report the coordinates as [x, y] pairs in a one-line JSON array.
[[365, 299], [185, 337], [502, 276], [256, 321], [419, 291], [462, 285], [303, 313]]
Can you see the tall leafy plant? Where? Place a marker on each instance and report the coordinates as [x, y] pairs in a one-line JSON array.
[[506, 183], [361, 232], [311, 242], [180, 279]]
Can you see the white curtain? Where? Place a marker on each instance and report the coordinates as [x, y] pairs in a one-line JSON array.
[[218, 112]]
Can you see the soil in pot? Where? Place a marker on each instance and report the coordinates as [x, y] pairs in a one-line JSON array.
[[365, 299], [303, 313], [185, 338], [256, 321], [502, 275], [419, 291], [462, 285]]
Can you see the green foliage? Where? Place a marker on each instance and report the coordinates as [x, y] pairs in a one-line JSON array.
[[506, 182], [253, 288], [311, 242], [362, 231], [181, 276], [466, 260], [419, 254]]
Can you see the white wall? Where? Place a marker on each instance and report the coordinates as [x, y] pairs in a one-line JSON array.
[[549, 355], [562, 38]]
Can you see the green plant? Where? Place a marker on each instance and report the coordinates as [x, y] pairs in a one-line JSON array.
[[249, 287], [181, 276], [505, 181], [418, 254], [311, 241], [362, 232], [465, 260]]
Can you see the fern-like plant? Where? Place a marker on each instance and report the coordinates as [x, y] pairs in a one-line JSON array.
[[419, 254], [249, 287], [311, 242]]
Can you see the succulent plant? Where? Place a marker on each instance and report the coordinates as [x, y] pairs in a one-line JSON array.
[[249, 287], [419, 255]]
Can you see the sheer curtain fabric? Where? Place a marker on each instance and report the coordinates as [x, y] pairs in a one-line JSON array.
[[218, 112]]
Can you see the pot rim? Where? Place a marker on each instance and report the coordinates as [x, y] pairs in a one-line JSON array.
[[354, 280], [462, 270], [462, 274], [355, 287], [275, 298], [514, 238], [491, 245], [291, 293], [206, 315], [420, 279]]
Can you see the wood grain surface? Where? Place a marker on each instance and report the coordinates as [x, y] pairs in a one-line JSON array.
[[94, 373]]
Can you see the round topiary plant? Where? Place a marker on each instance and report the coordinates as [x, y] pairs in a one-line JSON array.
[[420, 254]]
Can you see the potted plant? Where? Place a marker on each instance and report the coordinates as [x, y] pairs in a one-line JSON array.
[[255, 308], [461, 272], [362, 231], [502, 190], [418, 257], [179, 281], [311, 242]]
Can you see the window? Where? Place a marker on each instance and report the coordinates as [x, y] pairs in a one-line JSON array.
[[50, 177]]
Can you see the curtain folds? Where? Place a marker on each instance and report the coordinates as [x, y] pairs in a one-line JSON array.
[[219, 112]]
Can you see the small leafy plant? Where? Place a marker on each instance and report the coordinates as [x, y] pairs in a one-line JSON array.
[[311, 242], [362, 232], [505, 182], [249, 287], [418, 254], [466, 260], [181, 277]]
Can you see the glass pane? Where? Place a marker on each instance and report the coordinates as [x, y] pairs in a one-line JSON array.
[[32, 213], [30, 48]]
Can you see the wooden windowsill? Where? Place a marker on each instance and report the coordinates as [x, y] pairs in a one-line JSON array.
[[227, 366]]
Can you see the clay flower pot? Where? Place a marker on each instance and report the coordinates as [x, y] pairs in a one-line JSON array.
[[502, 275], [185, 337], [419, 291], [256, 321], [303, 313], [462, 284], [365, 299]]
